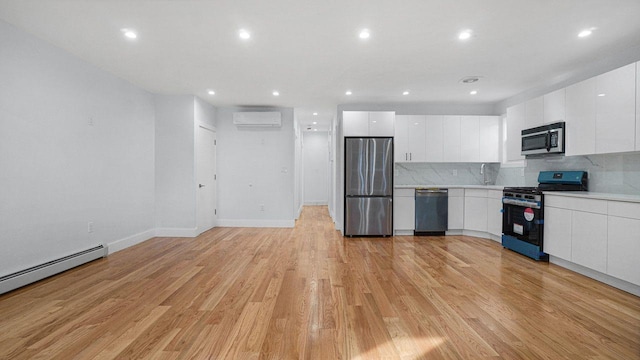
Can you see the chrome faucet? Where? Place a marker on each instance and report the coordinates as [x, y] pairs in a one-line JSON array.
[[483, 172]]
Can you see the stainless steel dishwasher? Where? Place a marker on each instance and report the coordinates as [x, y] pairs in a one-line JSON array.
[[432, 208]]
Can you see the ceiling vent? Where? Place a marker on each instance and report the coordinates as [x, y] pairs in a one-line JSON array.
[[258, 118], [470, 79]]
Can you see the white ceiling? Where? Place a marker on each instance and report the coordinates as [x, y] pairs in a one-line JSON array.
[[309, 50]]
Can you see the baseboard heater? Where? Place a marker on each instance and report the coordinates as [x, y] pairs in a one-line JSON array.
[[42, 271]]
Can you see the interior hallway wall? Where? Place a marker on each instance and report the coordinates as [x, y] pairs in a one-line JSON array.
[[316, 167]]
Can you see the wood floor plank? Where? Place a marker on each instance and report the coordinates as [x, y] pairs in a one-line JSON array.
[[309, 293]]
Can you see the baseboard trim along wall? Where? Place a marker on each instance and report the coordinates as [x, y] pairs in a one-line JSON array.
[[177, 232], [596, 275], [124, 243], [256, 223]]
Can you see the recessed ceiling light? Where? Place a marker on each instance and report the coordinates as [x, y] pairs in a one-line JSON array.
[[473, 92], [364, 34], [315, 129], [129, 33], [211, 92], [276, 93], [315, 114], [601, 95], [586, 32], [244, 34], [348, 92], [405, 93], [315, 122], [465, 34]]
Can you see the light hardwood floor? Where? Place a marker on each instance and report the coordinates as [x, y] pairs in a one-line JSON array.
[[309, 293]]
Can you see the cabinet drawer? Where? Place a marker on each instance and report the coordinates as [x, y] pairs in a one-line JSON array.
[[411, 192], [456, 192], [494, 194], [624, 209], [580, 204], [476, 193]]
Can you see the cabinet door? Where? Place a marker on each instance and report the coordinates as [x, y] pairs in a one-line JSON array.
[[381, 123], [434, 138], [469, 139], [616, 110], [456, 211], [404, 211], [475, 213], [580, 107], [638, 106], [534, 113], [589, 240], [355, 123], [416, 134], [451, 131], [515, 124], [623, 249], [557, 232], [554, 106], [401, 138], [494, 216], [489, 139]]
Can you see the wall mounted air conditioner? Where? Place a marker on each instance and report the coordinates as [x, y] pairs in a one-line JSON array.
[[258, 118]]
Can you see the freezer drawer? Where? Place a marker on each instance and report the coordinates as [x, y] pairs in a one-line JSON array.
[[369, 216]]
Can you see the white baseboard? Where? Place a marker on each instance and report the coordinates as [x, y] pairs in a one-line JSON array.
[[316, 203], [124, 243], [403, 233], [176, 232], [596, 275], [256, 223]]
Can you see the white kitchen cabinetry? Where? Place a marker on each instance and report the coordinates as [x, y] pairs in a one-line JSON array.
[[557, 232], [623, 250], [365, 123], [589, 240], [515, 125], [616, 110], [451, 135], [489, 139], [456, 209], [434, 139], [534, 113], [409, 144], [404, 210], [580, 108], [469, 138], [494, 213], [475, 210], [554, 106], [638, 106]]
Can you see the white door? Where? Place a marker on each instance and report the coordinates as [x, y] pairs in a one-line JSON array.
[[206, 179]]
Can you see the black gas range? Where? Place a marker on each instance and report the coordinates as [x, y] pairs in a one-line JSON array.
[[523, 210]]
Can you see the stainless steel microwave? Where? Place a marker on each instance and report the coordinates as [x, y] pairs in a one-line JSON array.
[[543, 140]]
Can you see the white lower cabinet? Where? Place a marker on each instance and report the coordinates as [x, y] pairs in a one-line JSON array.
[[456, 209], [494, 212], [623, 248], [589, 240], [404, 209], [557, 232], [475, 210]]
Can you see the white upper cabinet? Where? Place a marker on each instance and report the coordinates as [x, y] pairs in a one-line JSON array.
[[581, 118], [451, 131], [534, 113], [638, 106], [410, 138], [381, 123], [554, 106], [469, 138], [434, 140], [515, 125], [489, 139], [616, 110], [365, 123]]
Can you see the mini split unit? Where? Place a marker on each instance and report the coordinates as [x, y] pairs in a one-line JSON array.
[[258, 118]]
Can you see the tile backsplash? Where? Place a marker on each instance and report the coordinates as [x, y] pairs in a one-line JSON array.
[[610, 173]]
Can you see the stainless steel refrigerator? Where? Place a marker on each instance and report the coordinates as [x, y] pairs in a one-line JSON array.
[[368, 186]]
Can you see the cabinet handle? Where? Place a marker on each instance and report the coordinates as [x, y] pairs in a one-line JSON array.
[[405, 157]]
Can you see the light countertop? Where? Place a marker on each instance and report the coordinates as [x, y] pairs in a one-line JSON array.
[[595, 195], [438, 186]]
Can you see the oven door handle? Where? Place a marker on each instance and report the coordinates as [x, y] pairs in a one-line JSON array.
[[533, 205]]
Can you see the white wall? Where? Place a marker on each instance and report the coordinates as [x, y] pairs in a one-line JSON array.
[[256, 166], [299, 183], [76, 146], [316, 167]]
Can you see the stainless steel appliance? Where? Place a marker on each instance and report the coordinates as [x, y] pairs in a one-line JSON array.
[[432, 211], [368, 186], [523, 210], [543, 140]]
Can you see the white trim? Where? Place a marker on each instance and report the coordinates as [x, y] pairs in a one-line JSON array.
[[596, 275], [177, 232], [129, 241], [206, 126], [403, 233], [256, 223], [315, 203]]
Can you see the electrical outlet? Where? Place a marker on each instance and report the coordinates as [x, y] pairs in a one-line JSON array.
[[454, 172], [261, 207], [90, 226]]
